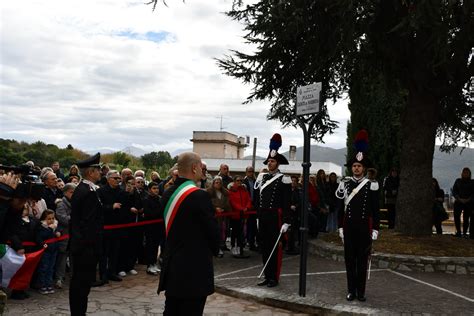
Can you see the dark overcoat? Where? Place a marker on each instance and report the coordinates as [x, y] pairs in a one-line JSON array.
[[187, 269], [87, 221]]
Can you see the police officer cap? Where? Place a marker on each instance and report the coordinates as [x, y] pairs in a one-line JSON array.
[[275, 144], [93, 161]]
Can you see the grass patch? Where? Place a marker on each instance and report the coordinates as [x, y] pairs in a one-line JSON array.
[[435, 245]]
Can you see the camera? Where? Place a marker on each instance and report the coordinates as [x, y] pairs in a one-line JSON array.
[[30, 186]]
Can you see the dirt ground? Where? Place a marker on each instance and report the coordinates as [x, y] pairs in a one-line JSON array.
[[435, 245]]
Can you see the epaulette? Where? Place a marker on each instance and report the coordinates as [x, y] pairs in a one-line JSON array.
[[286, 179], [374, 185], [346, 179]]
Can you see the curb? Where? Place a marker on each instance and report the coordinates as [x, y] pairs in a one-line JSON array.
[[291, 306], [450, 265]]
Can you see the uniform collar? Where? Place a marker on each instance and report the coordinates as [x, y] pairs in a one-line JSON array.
[[91, 184], [357, 180]]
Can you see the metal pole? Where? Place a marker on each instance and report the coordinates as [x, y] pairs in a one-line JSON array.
[[304, 211], [254, 154]]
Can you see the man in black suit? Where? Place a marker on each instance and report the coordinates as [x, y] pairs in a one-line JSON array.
[[192, 238], [109, 195], [85, 234]]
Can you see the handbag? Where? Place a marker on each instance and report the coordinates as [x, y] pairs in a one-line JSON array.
[[440, 212]]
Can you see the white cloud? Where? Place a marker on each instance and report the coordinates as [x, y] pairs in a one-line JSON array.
[[110, 73]]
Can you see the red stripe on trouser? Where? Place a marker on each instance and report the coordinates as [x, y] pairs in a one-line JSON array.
[[279, 249]]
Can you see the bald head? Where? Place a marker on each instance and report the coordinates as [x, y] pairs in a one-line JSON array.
[[189, 166]]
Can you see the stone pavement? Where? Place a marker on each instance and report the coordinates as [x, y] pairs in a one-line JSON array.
[[388, 292], [136, 295]]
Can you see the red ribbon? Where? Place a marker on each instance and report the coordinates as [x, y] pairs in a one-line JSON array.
[[118, 226]]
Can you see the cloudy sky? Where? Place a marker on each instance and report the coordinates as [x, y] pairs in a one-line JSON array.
[[112, 73]]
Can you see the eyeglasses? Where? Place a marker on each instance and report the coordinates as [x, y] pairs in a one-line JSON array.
[[116, 178], [238, 180]]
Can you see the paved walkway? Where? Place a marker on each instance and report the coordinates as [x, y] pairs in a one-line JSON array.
[[388, 292], [136, 295]]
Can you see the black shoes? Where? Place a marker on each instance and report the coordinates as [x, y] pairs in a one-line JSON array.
[[268, 283], [361, 298], [115, 278], [272, 283], [99, 283], [350, 297], [263, 283], [19, 295]]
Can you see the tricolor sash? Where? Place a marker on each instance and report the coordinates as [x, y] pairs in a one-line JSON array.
[[175, 201]]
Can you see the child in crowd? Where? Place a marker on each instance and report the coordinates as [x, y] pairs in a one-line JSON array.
[[47, 230], [154, 233]]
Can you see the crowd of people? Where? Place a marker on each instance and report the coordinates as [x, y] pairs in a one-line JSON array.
[[129, 196]]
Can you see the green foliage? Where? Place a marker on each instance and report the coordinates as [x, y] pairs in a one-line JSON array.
[[122, 159], [160, 161], [420, 45], [40, 153], [376, 105], [155, 159]]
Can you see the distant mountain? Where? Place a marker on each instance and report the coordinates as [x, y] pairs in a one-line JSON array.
[[134, 151], [179, 151], [100, 150], [322, 154], [446, 167], [131, 150]]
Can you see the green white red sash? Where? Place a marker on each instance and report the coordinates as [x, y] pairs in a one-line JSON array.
[[175, 201]]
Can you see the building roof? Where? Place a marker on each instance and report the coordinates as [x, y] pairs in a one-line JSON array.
[[239, 165]]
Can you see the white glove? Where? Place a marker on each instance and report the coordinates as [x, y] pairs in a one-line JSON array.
[[341, 233], [284, 228], [375, 234]]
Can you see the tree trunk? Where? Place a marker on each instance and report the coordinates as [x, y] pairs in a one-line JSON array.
[[415, 198]]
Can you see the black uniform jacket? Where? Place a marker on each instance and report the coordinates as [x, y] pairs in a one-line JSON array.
[[86, 225], [187, 269], [276, 195], [363, 209]]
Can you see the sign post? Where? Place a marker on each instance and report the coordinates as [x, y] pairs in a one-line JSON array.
[[307, 103]]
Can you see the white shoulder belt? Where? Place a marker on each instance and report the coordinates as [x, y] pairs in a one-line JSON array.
[[355, 191], [270, 181]]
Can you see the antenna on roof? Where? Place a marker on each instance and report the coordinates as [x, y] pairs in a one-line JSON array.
[[221, 127]]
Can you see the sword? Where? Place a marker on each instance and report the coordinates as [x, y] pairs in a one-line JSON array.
[[370, 261], [269, 257]]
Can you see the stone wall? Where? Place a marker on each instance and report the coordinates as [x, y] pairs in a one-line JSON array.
[[458, 265]]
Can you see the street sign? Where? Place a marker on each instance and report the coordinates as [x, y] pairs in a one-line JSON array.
[[307, 99]]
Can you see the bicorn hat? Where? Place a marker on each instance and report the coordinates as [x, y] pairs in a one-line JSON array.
[[275, 144], [361, 146], [93, 161]]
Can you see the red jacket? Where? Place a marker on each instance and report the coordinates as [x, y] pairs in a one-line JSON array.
[[313, 195], [239, 199]]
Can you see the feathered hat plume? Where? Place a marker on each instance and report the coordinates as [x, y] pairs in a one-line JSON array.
[[361, 146], [275, 144], [361, 141]]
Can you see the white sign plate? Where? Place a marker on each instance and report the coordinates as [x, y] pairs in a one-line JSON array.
[[307, 99]]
